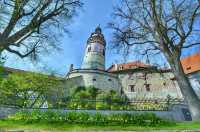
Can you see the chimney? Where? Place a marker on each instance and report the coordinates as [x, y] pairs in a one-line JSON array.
[[115, 67]]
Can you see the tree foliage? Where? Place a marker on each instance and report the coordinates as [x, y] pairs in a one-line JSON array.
[[29, 27], [26, 90]]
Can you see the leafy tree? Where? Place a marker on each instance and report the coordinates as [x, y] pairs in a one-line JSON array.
[[29, 27], [83, 95], [26, 90], [161, 26], [93, 92]]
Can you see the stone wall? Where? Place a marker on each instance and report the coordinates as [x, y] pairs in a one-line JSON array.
[[160, 85], [5, 111], [175, 113], [99, 79]]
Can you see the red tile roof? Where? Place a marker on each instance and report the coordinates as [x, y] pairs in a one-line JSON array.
[[191, 63], [126, 66]]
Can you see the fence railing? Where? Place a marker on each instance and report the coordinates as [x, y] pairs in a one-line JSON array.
[[108, 104], [137, 104]]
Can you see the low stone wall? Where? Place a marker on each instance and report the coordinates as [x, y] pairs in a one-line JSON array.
[[175, 113], [5, 111]]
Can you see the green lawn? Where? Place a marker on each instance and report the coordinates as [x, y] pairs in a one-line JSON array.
[[6, 125]]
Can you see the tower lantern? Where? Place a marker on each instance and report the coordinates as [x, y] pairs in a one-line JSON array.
[[95, 51]]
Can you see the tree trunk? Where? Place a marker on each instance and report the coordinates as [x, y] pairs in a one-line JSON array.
[[188, 92]]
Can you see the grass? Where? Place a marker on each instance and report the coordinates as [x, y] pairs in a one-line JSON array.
[[20, 125]]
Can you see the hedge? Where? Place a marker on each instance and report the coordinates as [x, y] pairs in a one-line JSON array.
[[146, 119]]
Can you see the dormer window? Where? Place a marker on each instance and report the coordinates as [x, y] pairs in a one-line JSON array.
[[133, 67], [121, 68], [188, 68]]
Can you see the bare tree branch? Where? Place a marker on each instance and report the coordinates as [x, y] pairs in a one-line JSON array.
[[191, 45], [29, 17]]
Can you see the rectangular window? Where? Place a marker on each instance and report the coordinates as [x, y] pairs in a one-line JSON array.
[[147, 87], [132, 88], [89, 49]]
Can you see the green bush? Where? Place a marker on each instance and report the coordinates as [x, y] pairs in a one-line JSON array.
[[146, 119]]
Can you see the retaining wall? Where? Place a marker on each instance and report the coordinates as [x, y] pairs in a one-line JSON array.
[[176, 112]]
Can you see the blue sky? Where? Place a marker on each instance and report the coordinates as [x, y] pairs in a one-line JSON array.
[[94, 12]]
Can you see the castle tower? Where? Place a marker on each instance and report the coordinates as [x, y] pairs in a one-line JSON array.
[[95, 51]]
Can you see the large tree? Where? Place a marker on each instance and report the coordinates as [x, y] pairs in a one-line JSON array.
[[161, 26], [29, 27], [28, 90]]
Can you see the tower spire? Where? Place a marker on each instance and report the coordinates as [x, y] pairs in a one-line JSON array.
[[98, 29]]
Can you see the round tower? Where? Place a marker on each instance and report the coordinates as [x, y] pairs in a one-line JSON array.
[[95, 51]]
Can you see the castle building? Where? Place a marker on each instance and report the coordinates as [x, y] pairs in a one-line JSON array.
[[142, 81], [92, 71], [95, 51], [134, 79]]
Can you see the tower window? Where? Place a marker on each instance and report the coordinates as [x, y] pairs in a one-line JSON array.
[[132, 88], [147, 87], [109, 79], [103, 52], [89, 49], [94, 79]]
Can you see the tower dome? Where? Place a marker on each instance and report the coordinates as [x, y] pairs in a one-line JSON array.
[[95, 51]]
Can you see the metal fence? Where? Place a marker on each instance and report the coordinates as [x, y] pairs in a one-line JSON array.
[[145, 104], [136, 104]]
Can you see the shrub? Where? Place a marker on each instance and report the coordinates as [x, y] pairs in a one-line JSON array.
[[146, 119]]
